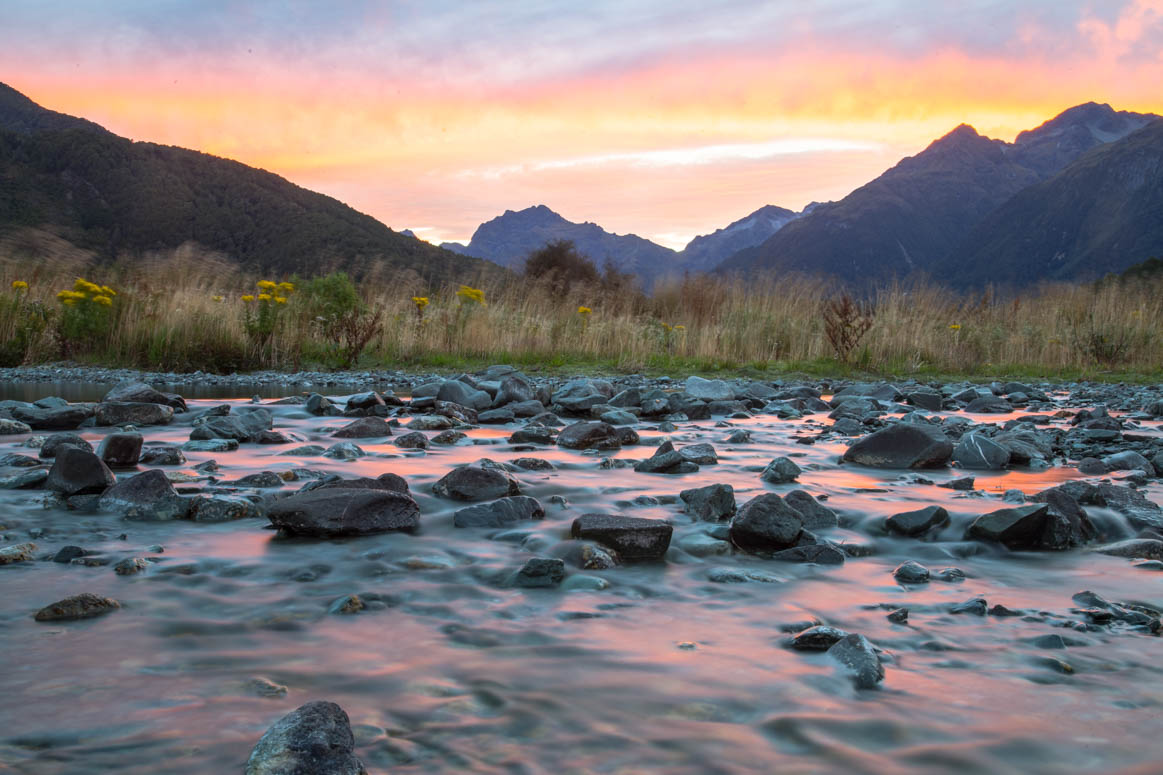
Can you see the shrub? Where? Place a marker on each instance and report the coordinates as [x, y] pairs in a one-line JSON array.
[[86, 316], [560, 267], [845, 324], [336, 309]]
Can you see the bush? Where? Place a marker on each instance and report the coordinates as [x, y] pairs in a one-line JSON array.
[[335, 307], [845, 324], [560, 266]]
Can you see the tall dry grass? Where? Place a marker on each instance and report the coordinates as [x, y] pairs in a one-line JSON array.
[[168, 318]]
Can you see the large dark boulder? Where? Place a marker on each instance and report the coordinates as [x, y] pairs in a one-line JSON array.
[[1018, 528], [334, 512], [121, 450], [78, 472], [978, 452], [903, 445], [711, 503], [632, 538], [500, 513], [766, 524], [127, 413], [476, 482], [137, 491], [244, 424], [364, 428], [55, 442], [141, 393], [514, 389], [64, 418], [314, 739], [589, 435], [915, 523]]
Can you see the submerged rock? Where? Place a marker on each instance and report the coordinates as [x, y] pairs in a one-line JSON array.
[[345, 512], [632, 538], [540, 572], [500, 513], [1017, 528], [83, 606], [314, 739], [859, 660]]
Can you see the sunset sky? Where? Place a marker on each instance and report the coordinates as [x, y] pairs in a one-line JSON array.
[[667, 119]]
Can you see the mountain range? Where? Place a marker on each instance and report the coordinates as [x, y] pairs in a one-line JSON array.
[[112, 196]]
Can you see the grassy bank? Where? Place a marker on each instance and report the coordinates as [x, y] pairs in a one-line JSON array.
[[185, 311]]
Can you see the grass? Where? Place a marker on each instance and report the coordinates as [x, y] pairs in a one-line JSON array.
[[168, 316]]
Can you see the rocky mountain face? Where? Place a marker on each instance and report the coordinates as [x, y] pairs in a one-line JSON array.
[[704, 253], [113, 196], [1101, 214], [911, 219]]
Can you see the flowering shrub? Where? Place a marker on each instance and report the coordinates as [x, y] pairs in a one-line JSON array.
[[86, 315]]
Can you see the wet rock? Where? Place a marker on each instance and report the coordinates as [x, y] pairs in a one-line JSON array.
[[387, 481], [708, 389], [976, 451], [121, 450], [243, 424], [700, 454], [476, 483], [964, 484], [899, 616], [1091, 466], [133, 414], [1135, 548], [213, 445], [430, 422], [540, 572], [364, 428], [131, 566], [344, 512], [579, 396], [17, 553], [65, 418], [223, 508], [817, 638], [496, 417], [820, 554], [739, 437], [631, 537], [703, 545], [13, 427], [141, 490], [15, 460], [314, 739], [57, 441], [534, 434], [319, 405], [500, 513], [344, 450], [162, 456], [27, 480], [262, 479], [665, 459], [813, 514], [348, 604], [976, 607], [766, 524], [264, 687], [413, 440], [618, 417], [142, 393], [741, 576], [77, 471], [903, 445], [781, 470], [911, 573], [1128, 461], [859, 660], [711, 503], [589, 435], [951, 575], [449, 438], [83, 606], [533, 464], [457, 392], [1017, 528]]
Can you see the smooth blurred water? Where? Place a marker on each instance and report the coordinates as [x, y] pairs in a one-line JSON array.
[[452, 671]]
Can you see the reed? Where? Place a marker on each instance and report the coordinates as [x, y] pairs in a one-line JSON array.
[[183, 311]]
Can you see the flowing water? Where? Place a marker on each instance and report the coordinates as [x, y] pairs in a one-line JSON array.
[[661, 669]]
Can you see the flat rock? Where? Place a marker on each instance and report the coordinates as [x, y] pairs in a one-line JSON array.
[[364, 428], [345, 512], [903, 445], [83, 606], [502, 512], [632, 538], [129, 413]]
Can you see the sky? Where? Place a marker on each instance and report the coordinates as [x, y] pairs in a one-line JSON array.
[[667, 119]]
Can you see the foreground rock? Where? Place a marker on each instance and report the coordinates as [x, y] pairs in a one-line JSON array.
[[336, 512], [859, 660], [127, 413], [766, 524], [1017, 528], [904, 445], [78, 471], [631, 537], [915, 523], [500, 513], [476, 482], [314, 739], [83, 606], [17, 553], [142, 490]]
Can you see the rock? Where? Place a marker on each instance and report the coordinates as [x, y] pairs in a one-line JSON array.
[[55, 442], [162, 456], [13, 427], [929, 401], [514, 389], [963, 484], [457, 392], [665, 459], [364, 428], [369, 402], [141, 393], [817, 638], [65, 418], [222, 508], [988, 405], [739, 437], [533, 464], [388, 481], [16, 460], [319, 405], [262, 479], [212, 445], [703, 545], [631, 537], [496, 417], [978, 452], [27, 480], [914, 523], [121, 450], [903, 445], [77, 471], [534, 434], [859, 660], [337, 512], [781, 470], [580, 396], [243, 424], [314, 739], [976, 606], [813, 514], [911, 573], [449, 438], [540, 572], [430, 422], [820, 554], [741, 576], [476, 483], [143, 489], [1135, 548], [1017, 528], [133, 414], [1129, 461], [67, 554], [500, 513], [131, 566], [589, 435], [83, 606], [413, 440], [344, 450], [708, 389], [17, 553], [898, 616], [711, 503], [348, 604], [1091, 466], [766, 524]]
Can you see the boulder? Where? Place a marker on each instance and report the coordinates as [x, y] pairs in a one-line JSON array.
[[364, 428], [457, 392], [820, 554], [579, 396], [55, 442], [665, 459], [83, 606], [514, 389], [859, 660], [388, 481], [64, 418], [141, 393], [700, 454], [903, 445], [121, 450], [813, 514], [1017, 528], [129, 413], [540, 572], [13, 427], [141, 490], [708, 389], [781, 470], [979, 452], [915, 523], [412, 440], [711, 503], [589, 435], [632, 538], [500, 513], [78, 472], [314, 739], [476, 483], [766, 524], [334, 512], [243, 424]]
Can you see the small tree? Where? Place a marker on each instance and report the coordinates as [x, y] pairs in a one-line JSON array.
[[344, 320], [561, 266], [845, 324]]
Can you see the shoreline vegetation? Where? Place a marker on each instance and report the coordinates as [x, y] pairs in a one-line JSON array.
[[189, 311]]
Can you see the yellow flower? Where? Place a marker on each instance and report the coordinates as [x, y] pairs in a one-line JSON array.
[[955, 327], [248, 298], [286, 287], [19, 285], [584, 310], [472, 294], [266, 285], [107, 291], [68, 297], [84, 286], [264, 297], [280, 300], [69, 302], [420, 301], [216, 298], [680, 328], [104, 301]]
